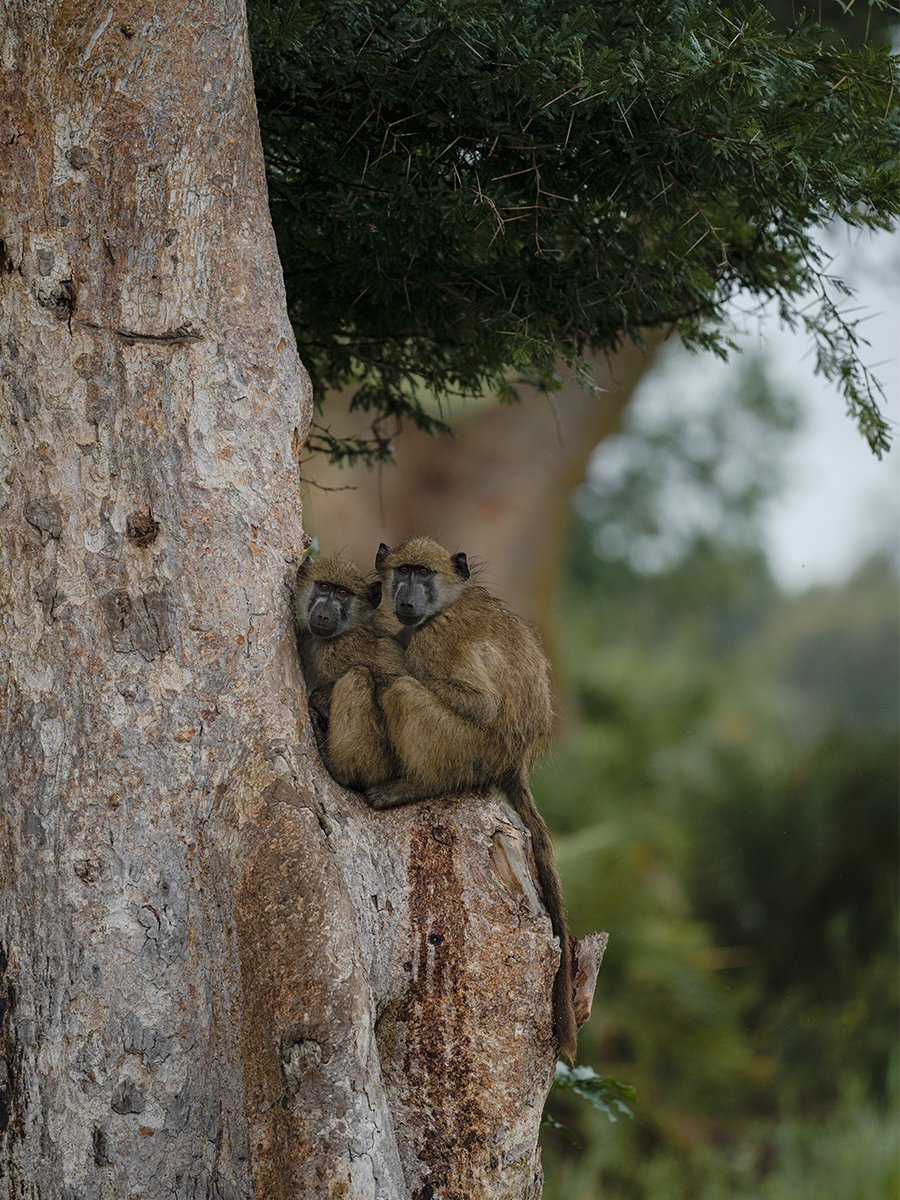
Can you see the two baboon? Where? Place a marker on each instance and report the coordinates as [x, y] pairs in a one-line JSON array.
[[457, 699]]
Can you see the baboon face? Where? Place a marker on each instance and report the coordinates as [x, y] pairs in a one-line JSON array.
[[414, 593], [329, 609], [419, 590], [328, 606]]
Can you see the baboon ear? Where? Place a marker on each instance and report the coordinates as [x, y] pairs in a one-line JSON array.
[[460, 565], [303, 570], [373, 593], [383, 552]]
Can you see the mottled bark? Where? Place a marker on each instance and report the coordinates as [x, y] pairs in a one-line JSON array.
[[220, 975]]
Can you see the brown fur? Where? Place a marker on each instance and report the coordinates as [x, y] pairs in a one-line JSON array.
[[345, 674], [473, 711]]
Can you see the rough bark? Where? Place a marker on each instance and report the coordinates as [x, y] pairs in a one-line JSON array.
[[220, 975]]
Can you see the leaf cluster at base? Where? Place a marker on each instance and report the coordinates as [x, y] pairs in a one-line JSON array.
[[607, 1095]]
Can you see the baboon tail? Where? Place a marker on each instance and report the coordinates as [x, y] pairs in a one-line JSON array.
[[520, 797]]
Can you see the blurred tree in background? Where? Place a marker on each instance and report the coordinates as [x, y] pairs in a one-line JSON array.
[[727, 794]]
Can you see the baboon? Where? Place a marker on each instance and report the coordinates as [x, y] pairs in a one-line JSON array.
[[348, 653], [471, 711]]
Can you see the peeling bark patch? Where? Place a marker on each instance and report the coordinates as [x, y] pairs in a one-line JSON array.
[[298, 1058], [46, 517], [512, 870], [142, 528], [60, 301], [90, 870], [589, 953], [99, 1149], [164, 926], [24, 404], [46, 592], [34, 827], [138, 625], [149, 1043], [179, 336], [78, 157], [128, 1098]]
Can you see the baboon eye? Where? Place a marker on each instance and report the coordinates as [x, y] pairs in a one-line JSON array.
[[403, 570], [322, 586], [422, 571], [342, 592]]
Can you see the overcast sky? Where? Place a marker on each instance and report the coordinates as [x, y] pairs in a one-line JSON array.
[[840, 503]]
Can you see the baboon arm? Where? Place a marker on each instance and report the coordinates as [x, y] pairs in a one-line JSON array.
[[470, 704], [435, 747], [357, 750], [468, 689]]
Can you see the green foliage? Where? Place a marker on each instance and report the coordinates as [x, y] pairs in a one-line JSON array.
[[744, 858], [852, 1155], [467, 191], [602, 1092], [725, 801]]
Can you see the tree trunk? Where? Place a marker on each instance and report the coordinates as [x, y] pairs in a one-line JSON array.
[[220, 974]]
